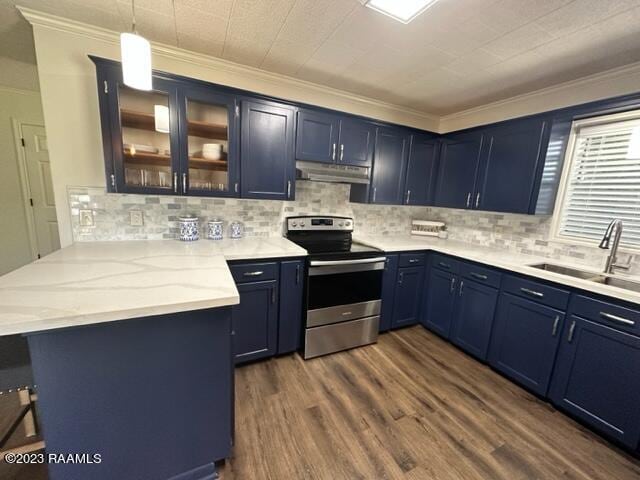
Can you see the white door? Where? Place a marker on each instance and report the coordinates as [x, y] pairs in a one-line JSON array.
[[41, 189]]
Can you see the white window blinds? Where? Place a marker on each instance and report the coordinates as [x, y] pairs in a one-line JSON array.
[[603, 183]]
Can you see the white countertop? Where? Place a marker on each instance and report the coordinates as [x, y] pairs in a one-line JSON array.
[[98, 282], [515, 262]]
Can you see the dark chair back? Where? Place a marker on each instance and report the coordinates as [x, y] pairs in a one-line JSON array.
[[15, 363]]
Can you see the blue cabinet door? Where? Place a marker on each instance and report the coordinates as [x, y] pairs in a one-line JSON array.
[[255, 321], [389, 166], [406, 308], [525, 340], [267, 163], [440, 301], [473, 320], [317, 136], [389, 279], [597, 379], [356, 142], [459, 157], [510, 165], [421, 170], [291, 292]]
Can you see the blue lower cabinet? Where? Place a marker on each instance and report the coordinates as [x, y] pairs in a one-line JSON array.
[[388, 291], [597, 379], [525, 340], [409, 286], [255, 321], [473, 319], [440, 301], [291, 293]]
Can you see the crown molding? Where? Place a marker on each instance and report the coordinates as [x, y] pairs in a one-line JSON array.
[[35, 17], [631, 69]]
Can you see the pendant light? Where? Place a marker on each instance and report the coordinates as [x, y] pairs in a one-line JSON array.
[[136, 57]]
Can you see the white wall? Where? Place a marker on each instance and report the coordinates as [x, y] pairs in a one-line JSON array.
[[23, 106]]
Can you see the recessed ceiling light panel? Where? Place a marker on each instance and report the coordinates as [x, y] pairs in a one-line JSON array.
[[402, 10]]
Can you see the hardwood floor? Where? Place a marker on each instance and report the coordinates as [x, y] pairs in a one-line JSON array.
[[410, 407]]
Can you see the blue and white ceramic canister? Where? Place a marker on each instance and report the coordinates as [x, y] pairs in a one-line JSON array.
[[188, 229], [214, 229], [236, 230]]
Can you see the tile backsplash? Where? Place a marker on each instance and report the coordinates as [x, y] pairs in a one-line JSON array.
[[516, 233]]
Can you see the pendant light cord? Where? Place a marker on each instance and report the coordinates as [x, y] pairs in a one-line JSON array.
[[133, 16]]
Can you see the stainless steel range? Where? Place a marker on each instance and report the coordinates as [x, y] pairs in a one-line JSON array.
[[344, 285]]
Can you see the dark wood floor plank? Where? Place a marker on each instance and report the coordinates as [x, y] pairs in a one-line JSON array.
[[410, 407]]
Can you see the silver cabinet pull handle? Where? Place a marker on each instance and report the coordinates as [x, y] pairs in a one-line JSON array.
[[461, 287], [333, 154], [533, 293], [556, 322], [236, 187], [479, 276], [408, 196], [288, 188], [375, 190], [175, 182], [453, 285], [113, 181], [617, 319], [444, 265], [253, 274], [400, 278], [184, 183], [468, 199], [341, 151], [414, 260], [572, 329], [478, 200]]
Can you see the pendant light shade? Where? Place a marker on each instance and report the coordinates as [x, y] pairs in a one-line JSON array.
[[136, 61]]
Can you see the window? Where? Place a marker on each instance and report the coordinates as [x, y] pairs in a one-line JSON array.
[[601, 180]]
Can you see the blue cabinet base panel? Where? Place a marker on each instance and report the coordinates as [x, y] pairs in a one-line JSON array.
[[152, 396]]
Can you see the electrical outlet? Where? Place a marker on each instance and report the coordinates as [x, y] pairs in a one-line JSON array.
[[136, 218], [86, 218]]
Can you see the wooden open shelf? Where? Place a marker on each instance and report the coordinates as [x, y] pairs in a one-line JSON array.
[[146, 121], [203, 163], [144, 158]]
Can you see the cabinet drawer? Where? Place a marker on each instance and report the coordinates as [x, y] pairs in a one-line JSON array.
[[254, 272], [480, 274], [445, 263], [539, 292], [606, 313], [412, 259]]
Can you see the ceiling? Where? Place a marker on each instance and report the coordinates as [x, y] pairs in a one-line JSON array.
[[457, 55]]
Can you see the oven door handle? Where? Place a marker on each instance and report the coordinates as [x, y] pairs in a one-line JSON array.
[[359, 261]]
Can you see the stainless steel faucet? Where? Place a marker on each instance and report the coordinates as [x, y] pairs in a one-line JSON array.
[[615, 229]]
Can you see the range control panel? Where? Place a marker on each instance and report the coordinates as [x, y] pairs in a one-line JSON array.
[[340, 224]]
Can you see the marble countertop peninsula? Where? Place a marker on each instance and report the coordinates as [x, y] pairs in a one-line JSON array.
[[97, 282], [515, 262]]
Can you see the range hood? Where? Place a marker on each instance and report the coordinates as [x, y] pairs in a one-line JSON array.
[[329, 172]]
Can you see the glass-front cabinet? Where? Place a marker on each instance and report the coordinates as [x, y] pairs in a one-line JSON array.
[[176, 139], [210, 148]]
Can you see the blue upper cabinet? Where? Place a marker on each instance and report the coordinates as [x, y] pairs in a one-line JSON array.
[[317, 136], [208, 118], [328, 138], [511, 163], [267, 161], [389, 166], [459, 156], [421, 170], [356, 142]]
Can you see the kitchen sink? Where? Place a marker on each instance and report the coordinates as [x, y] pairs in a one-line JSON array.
[[571, 272], [591, 276]]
